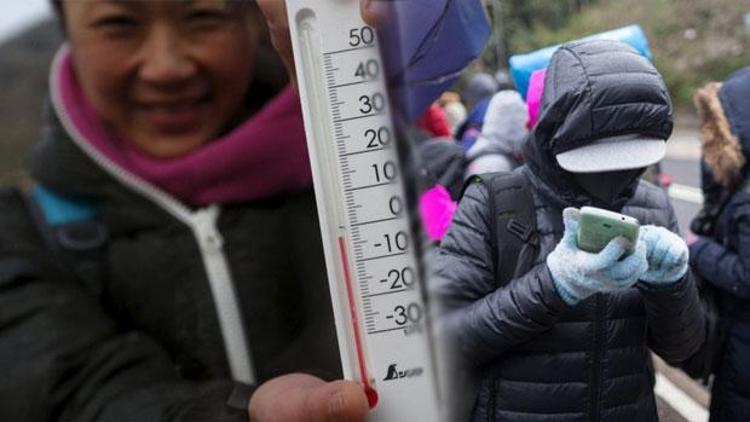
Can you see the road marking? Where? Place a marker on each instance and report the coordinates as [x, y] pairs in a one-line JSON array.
[[681, 402], [686, 193]]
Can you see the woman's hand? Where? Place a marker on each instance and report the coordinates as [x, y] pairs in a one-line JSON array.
[[304, 398], [276, 17]]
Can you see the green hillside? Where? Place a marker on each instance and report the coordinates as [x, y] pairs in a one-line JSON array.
[[692, 41]]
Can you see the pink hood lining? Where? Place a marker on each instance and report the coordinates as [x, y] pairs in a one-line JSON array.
[[263, 157], [534, 95]]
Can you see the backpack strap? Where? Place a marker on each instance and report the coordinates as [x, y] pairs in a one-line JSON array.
[[71, 228], [512, 223]]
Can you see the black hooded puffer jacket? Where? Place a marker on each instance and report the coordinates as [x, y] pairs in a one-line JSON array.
[[540, 359], [722, 258], [144, 342]]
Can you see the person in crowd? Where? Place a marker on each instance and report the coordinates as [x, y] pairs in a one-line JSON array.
[[439, 177], [454, 109], [569, 338], [456, 114], [479, 87], [504, 80], [505, 130], [720, 253], [653, 174], [435, 123], [165, 268], [476, 94]]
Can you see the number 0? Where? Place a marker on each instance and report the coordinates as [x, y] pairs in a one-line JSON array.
[[396, 205]]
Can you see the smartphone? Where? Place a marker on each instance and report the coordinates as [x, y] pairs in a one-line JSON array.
[[597, 227]]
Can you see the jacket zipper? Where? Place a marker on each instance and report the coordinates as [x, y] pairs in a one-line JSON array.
[[203, 225], [223, 291], [599, 328]]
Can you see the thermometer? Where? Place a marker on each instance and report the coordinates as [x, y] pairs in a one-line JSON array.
[[372, 268]]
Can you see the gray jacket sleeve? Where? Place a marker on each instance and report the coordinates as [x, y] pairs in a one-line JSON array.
[[63, 358], [675, 315], [477, 319]]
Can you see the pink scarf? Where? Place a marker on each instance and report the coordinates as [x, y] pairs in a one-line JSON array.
[[263, 157]]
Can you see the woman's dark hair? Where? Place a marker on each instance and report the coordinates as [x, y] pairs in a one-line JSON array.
[[57, 6]]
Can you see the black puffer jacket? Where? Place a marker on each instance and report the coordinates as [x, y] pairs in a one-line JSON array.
[[144, 343], [540, 359], [722, 257]]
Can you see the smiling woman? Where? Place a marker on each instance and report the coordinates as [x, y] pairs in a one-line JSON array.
[[166, 76]]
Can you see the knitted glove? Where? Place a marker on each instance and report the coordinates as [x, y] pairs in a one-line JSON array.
[[667, 255], [578, 274]]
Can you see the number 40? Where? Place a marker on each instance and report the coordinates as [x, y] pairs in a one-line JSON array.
[[369, 69]]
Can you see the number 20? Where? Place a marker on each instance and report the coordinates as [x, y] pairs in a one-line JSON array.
[[380, 137]]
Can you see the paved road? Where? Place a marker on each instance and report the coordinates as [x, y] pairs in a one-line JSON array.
[[685, 191], [682, 163]]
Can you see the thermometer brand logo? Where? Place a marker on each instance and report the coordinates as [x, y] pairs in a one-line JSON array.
[[394, 373]]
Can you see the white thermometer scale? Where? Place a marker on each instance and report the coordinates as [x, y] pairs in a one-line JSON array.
[[375, 287]]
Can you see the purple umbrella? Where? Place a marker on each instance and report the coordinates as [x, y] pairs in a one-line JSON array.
[[426, 45]]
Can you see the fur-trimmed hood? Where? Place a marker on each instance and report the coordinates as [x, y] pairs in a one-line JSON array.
[[724, 109]]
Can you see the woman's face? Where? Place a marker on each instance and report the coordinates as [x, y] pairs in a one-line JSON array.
[[166, 76]]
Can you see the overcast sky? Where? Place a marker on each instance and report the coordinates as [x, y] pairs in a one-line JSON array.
[[16, 15]]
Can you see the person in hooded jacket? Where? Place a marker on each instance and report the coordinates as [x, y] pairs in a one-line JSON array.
[[479, 87], [476, 95], [165, 268], [435, 123], [500, 146], [721, 253], [571, 339]]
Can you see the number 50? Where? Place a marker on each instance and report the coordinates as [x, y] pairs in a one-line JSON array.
[[361, 36]]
